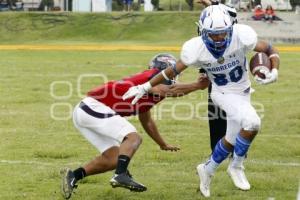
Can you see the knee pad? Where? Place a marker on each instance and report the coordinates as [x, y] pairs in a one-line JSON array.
[[251, 123]]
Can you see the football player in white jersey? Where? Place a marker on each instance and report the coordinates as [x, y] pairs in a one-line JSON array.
[[217, 117], [221, 52]]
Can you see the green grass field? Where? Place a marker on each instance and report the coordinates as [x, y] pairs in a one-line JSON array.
[[37, 87], [34, 146]]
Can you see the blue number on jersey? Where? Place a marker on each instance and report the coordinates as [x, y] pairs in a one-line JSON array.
[[235, 75], [220, 79]]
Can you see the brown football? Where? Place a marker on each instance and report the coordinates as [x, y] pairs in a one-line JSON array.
[[259, 61]]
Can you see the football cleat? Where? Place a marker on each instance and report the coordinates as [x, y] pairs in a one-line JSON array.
[[238, 177], [205, 179], [68, 182], [125, 180]]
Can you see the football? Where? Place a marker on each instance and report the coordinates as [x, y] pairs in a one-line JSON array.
[[260, 61]]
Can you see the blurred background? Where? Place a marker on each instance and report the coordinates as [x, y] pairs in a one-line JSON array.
[[138, 5]]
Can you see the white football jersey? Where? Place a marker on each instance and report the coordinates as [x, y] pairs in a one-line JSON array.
[[228, 74]]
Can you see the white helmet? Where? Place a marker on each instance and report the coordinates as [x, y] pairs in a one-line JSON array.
[[215, 20]]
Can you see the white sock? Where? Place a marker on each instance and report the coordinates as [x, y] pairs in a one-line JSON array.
[[237, 161], [211, 166]]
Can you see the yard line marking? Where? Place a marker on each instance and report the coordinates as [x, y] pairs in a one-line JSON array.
[[274, 163], [104, 47], [262, 135], [25, 130], [298, 195], [279, 136], [28, 162], [25, 162]]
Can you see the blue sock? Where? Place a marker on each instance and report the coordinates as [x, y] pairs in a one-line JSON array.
[[219, 154], [242, 145], [240, 149]]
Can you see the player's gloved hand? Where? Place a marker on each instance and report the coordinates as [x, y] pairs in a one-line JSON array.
[[270, 77], [262, 70], [137, 92], [168, 147]]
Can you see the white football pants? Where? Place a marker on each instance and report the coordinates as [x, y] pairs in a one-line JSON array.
[[239, 112], [103, 133]]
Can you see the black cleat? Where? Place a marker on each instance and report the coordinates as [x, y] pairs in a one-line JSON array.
[[125, 180], [68, 182]]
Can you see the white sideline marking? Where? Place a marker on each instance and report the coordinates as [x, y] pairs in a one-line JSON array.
[[298, 195], [35, 163], [14, 130], [278, 136], [266, 135], [261, 162], [274, 163]]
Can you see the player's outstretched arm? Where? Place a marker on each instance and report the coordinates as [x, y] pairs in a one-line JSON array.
[[151, 129], [138, 91], [180, 89], [273, 54]]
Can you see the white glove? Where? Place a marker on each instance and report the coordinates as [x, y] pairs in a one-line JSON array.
[[137, 92], [270, 77], [263, 70]]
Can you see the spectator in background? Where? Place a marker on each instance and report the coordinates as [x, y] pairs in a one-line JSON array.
[[155, 3], [46, 5], [4, 6], [269, 14], [127, 5], [255, 3], [295, 5], [18, 5], [191, 4], [259, 13]]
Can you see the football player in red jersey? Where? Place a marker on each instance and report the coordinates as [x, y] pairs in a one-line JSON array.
[[100, 119]]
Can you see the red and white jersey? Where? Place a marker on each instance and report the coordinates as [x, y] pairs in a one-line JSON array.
[[111, 94]]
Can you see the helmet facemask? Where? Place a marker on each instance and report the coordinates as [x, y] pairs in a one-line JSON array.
[[216, 28], [217, 40]]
